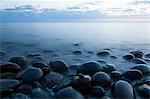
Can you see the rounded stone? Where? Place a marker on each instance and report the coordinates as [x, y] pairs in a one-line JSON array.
[[147, 55], [122, 90], [101, 79], [21, 96], [102, 62], [20, 60], [77, 52], [97, 91], [6, 84], [34, 54], [145, 69], [138, 61], [133, 74], [90, 68], [52, 79], [83, 83], [116, 75], [144, 91], [109, 68], [39, 65], [38, 59], [31, 74], [10, 67], [128, 57], [69, 93], [25, 89], [39, 93], [7, 75], [103, 53], [58, 66], [45, 70], [137, 53]]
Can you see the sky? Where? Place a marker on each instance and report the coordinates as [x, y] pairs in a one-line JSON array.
[[108, 7]]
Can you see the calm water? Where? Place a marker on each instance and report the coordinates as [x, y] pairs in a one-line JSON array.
[[120, 37]]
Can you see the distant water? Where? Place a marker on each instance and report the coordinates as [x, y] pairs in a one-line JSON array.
[[120, 37]]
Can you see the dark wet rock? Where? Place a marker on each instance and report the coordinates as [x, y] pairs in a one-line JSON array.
[[31, 74], [34, 54], [116, 75], [103, 53], [6, 84], [20, 96], [144, 91], [52, 79], [77, 52], [106, 97], [2, 53], [137, 53], [109, 68], [69, 93], [39, 65], [145, 69], [58, 66], [45, 70], [133, 74], [146, 80], [73, 70], [25, 89], [147, 59], [90, 52], [138, 61], [102, 62], [38, 59], [35, 84], [147, 55], [128, 57], [83, 83], [97, 91], [113, 57], [7, 75], [39, 93], [90, 68], [101, 79], [20, 60], [122, 90], [76, 44], [10, 67]]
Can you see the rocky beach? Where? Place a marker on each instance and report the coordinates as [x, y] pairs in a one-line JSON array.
[[51, 63]]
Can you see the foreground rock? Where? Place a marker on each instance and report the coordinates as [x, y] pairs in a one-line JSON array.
[[69, 93], [122, 90], [10, 67], [6, 84], [20, 60], [90, 68], [101, 79], [144, 90], [58, 66], [97, 91], [145, 69], [133, 74], [31, 74], [128, 57]]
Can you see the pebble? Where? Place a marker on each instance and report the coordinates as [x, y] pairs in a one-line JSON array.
[[101, 79], [83, 83], [7, 75], [138, 61], [10, 67], [38, 59], [58, 66], [116, 75], [69, 93], [25, 89], [20, 60], [147, 55], [144, 91], [97, 91], [34, 54], [122, 90], [137, 53], [52, 79], [109, 68], [21, 96], [6, 84], [90, 68], [133, 74], [31, 74], [39, 65], [102, 62], [128, 57], [39, 93], [77, 52], [145, 69], [45, 70], [103, 53]]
